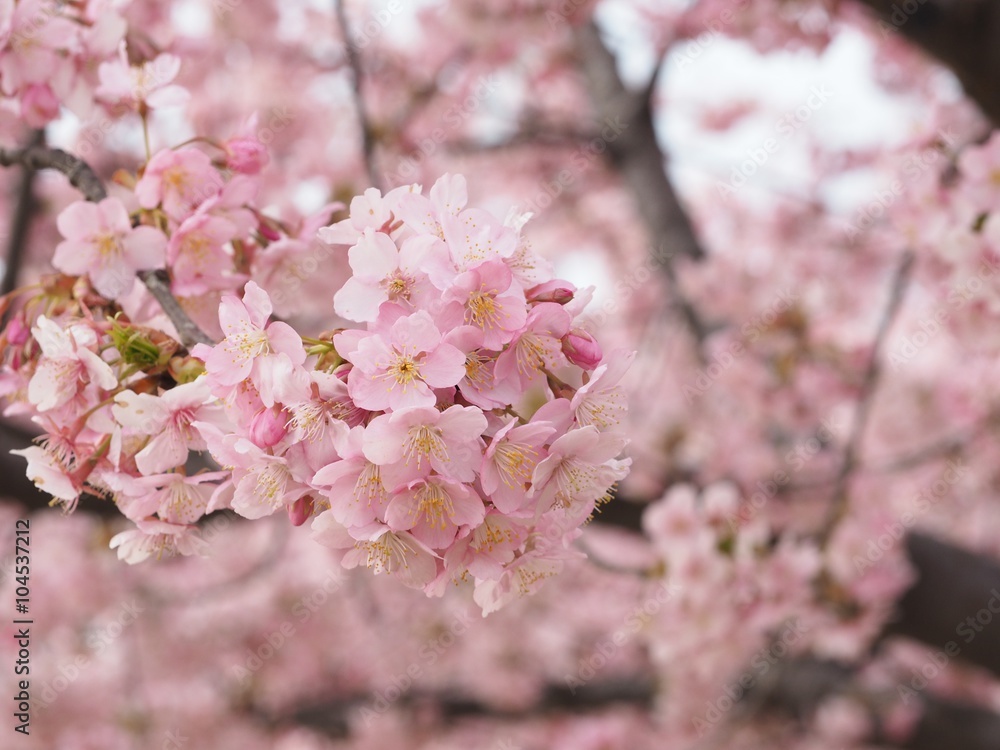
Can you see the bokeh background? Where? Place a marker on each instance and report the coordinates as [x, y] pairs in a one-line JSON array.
[[785, 207]]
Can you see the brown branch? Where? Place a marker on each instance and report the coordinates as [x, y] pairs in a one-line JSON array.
[[869, 384], [964, 35], [77, 171], [364, 124], [637, 156], [21, 222], [83, 177]]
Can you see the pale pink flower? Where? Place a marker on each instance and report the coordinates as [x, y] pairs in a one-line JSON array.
[[49, 475], [174, 497], [382, 272], [320, 407], [601, 400], [475, 236], [510, 461], [433, 509], [253, 349], [36, 41], [409, 443], [197, 256], [448, 196], [353, 484], [399, 369], [579, 468], [490, 546], [102, 244], [369, 211], [153, 537], [487, 298], [135, 86], [179, 180], [167, 419], [379, 548], [538, 346], [68, 364], [480, 386]]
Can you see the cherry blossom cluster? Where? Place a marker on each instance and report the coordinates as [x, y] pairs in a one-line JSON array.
[[464, 430], [77, 55], [408, 436]]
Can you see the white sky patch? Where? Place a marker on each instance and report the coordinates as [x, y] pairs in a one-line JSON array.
[[831, 99], [194, 17]]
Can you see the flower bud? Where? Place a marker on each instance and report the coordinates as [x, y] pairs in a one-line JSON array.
[[557, 291], [582, 349], [300, 511], [246, 155], [267, 428]]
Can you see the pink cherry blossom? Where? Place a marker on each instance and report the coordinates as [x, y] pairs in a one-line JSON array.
[[409, 443], [68, 364], [510, 461], [382, 272], [136, 86], [101, 243], [180, 181], [433, 509], [487, 298], [538, 346], [399, 369], [167, 419], [156, 538], [579, 469], [253, 348]]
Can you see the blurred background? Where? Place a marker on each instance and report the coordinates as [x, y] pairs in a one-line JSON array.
[[785, 207]]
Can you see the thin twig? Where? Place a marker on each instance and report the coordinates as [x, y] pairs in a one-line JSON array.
[[354, 62], [83, 177], [838, 506]]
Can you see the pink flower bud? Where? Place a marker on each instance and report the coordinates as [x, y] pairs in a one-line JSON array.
[[557, 291], [17, 332], [39, 105], [268, 231], [267, 428], [300, 511], [246, 155], [582, 349]]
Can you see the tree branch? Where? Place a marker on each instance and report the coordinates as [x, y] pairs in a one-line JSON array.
[[637, 156], [83, 177], [869, 383], [354, 62], [21, 222]]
